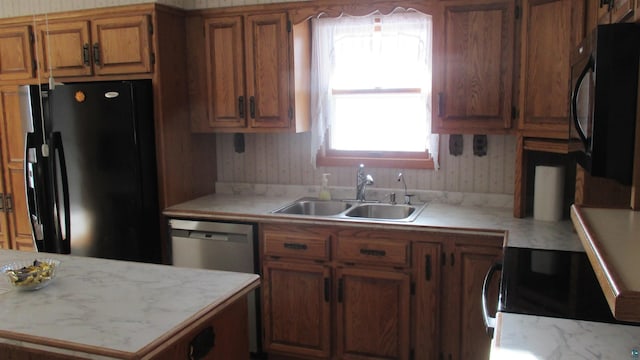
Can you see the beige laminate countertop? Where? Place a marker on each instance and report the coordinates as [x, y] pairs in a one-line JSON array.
[[611, 238], [435, 217]]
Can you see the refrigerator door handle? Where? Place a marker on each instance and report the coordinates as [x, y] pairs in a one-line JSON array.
[[57, 153], [31, 177]]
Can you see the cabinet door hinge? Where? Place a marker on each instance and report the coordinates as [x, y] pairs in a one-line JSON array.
[[32, 37], [289, 26], [517, 12], [514, 113], [150, 28], [290, 113], [153, 58], [413, 288]]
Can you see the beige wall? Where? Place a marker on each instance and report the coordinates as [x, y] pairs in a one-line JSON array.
[[285, 159]]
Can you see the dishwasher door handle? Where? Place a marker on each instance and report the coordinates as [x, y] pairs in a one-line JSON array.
[[208, 236]]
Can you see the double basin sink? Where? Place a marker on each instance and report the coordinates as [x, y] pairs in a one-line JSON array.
[[351, 209]]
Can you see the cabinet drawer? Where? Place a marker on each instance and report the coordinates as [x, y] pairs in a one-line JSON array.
[[297, 244], [373, 251]]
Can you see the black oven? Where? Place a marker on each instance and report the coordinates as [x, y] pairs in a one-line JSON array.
[[549, 283], [604, 78]]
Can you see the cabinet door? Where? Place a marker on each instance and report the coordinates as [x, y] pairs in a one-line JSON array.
[[544, 71], [227, 103], [372, 314], [64, 48], [297, 309], [5, 242], [465, 335], [121, 45], [16, 54], [12, 161], [477, 70], [426, 302], [622, 10], [267, 59]]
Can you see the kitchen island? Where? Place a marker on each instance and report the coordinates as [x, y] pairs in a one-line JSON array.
[[107, 309]]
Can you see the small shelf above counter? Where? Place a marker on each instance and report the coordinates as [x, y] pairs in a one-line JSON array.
[[611, 238]]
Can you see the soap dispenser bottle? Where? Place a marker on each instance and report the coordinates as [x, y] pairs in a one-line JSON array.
[[324, 189]]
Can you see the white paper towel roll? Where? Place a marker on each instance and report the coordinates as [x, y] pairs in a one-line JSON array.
[[548, 193]]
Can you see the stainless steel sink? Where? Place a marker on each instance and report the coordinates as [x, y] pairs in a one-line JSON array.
[[382, 211], [350, 209], [314, 207]]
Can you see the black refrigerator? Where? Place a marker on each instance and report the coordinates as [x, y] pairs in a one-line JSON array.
[[90, 169]]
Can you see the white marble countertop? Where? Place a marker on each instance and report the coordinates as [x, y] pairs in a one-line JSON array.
[[525, 337], [437, 216], [114, 306]]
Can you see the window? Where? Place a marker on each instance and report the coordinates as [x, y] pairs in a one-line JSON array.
[[373, 81]]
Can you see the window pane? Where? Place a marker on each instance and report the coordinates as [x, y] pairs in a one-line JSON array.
[[385, 122]]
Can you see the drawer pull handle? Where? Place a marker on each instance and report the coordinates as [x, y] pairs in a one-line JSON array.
[[373, 252], [295, 246]]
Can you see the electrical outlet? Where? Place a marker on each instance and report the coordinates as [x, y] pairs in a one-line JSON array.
[[479, 145], [455, 144]]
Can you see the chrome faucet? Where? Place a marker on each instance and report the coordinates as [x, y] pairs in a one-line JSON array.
[[407, 197], [362, 181]]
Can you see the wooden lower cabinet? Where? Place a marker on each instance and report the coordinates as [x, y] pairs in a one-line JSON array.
[[426, 300], [297, 309], [15, 228], [372, 314], [381, 294], [467, 260]]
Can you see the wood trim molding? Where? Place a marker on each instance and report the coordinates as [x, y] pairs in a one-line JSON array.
[[609, 237]]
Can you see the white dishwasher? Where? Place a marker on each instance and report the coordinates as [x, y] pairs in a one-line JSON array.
[[219, 246]]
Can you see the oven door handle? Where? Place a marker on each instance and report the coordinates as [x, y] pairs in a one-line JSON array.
[[489, 322]]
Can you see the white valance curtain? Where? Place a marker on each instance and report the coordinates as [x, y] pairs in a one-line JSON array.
[[406, 40]]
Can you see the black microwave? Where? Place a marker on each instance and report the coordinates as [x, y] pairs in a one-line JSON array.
[[604, 100]]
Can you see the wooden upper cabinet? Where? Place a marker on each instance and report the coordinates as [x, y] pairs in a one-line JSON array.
[[121, 45], [64, 48], [105, 46], [550, 31], [225, 72], [267, 59], [475, 91], [244, 78], [16, 56], [615, 11]]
